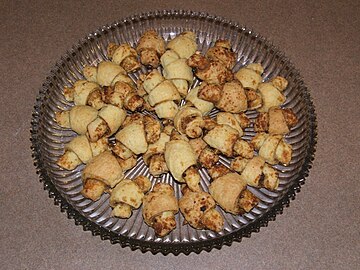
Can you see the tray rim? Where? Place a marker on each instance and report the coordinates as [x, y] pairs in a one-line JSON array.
[[167, 248]]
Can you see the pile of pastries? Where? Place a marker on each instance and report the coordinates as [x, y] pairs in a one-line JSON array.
[[118, 121]]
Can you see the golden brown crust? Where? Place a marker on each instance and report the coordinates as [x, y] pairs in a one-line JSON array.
[[179, 156], [208, 158], [194, 206], [222, 138], [218, 170], [104, 168], [233, 98], [150, 47], [160, 200], [222, 52], [226, 191]]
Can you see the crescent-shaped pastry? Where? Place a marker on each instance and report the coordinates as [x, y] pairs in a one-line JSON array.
[[221, 52], [225, 118], [80, 117], [271, 96], [85, 93], [107, 123], [123, 55], [159, 209], [208, 158], [133, 137], [256, 172], [126, 192], [279, 82], [272, 148], [102, 171], [150, 47], [121, 150], [276, 121], [166, 110], [77, 118], [143, 182], [243, 149], [201, 104], [211, 72], [104, 73], [198, 209], [197, 145], [228, 190], [165, 91], [179, 156], [233, 98], [250, 76], [80, 150], [189, 121], [183, 44], [152, 128], [157, 147], [179, 73], [222, 138]]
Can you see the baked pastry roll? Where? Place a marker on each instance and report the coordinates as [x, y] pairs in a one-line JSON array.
[[256, 172], [85, 93], [218, 170], [230, 193], [165, 91], [222, 138], [143, 182], [230, 97], [242, 119], [271, 95], [254, 99], [125, 197], [233, 98], [197, 145], [123, 55], [183, 44], [120, 88], [176, 70], [210, 92], [225, 118], [80, 150], [123, 93], [209, 71], [152, 128], [179, 156], [198, 209], [107, 123], [104, 73], [133, 136], [201, 104], [154, 156], [127, 164], [166, 110], [161, 94], [272, 148], [101, 172], [150, 47], [77, 118], [276, 121], [208, 158], [279, 82], [121, 150], [250, 76], [222, 52], [189, 121], [159, 209], [243, 149]]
